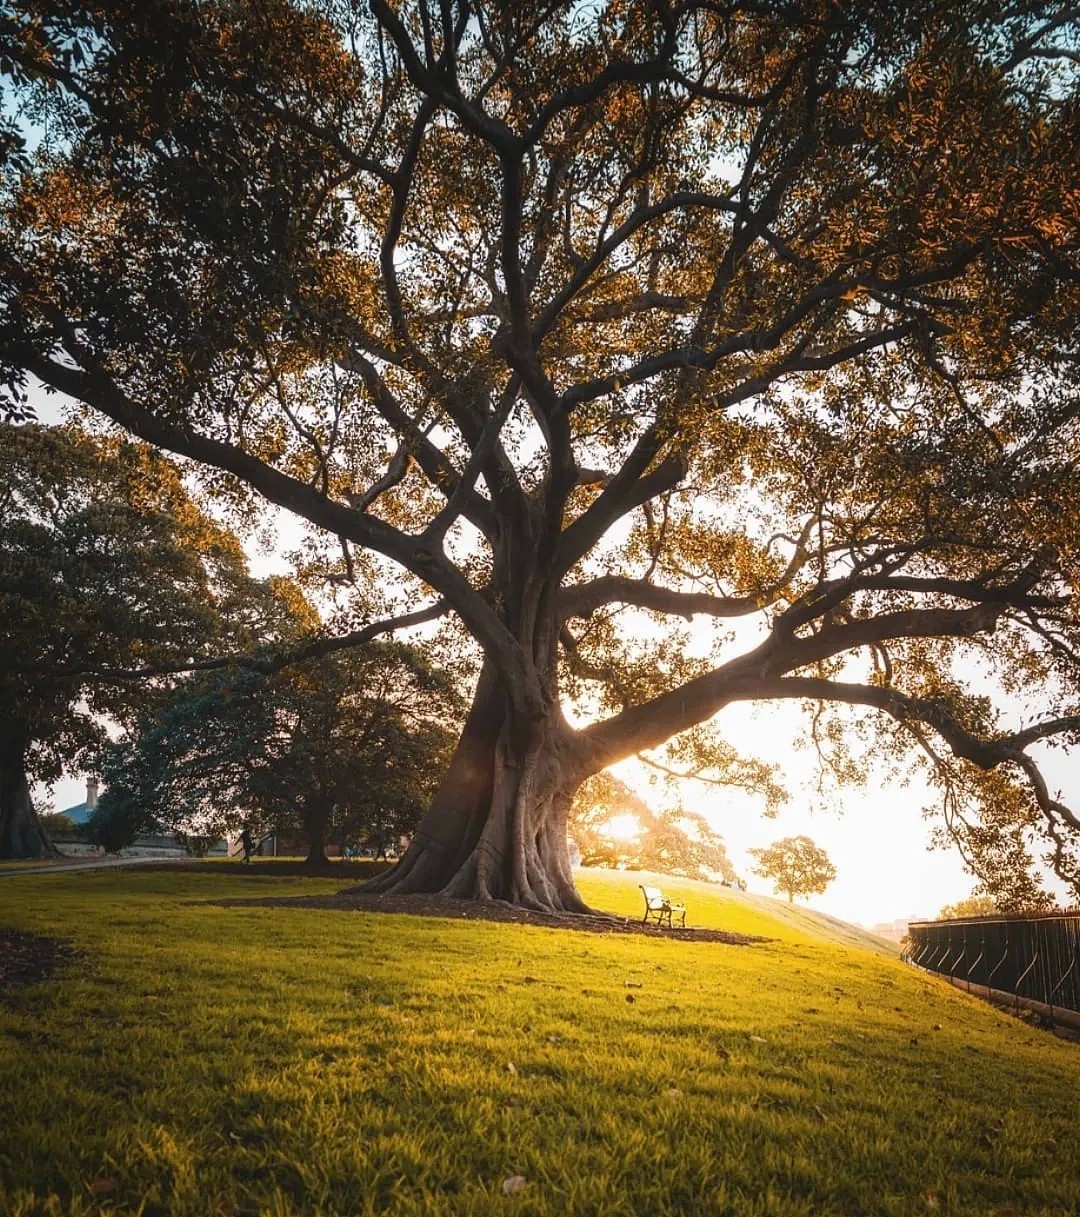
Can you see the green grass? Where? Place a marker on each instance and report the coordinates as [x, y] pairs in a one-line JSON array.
[[21, 864], [206, 1060]]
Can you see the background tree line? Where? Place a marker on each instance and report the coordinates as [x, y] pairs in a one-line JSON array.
[[119, 594], [674, 842]]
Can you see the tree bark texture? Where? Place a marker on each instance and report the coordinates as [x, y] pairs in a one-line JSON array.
[[496, 829], [315, 823], [21, 834]]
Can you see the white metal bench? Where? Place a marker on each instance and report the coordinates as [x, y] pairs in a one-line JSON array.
[[661, 907]]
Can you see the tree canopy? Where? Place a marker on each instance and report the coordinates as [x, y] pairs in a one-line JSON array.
[[346, 746], [675, 841], [975, 905], [589, 320], [107, 565], [796, 865]]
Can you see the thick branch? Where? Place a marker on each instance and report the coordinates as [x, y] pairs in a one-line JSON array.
[[983, 752], [434, 569], [651, 723], [626, 490], [584, 599]]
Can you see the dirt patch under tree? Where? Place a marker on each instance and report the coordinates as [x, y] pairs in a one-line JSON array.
[[28, 958]]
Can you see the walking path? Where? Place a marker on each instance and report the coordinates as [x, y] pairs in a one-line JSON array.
[[53, 868]]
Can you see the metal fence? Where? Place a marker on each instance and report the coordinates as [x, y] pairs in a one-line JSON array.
[[1034, 959]]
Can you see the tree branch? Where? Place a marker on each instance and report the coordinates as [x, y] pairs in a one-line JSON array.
[[583, 599], [98, 390], [266, 664]]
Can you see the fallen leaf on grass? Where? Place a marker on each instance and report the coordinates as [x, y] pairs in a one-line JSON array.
[[513, 1185], [511, 1067]]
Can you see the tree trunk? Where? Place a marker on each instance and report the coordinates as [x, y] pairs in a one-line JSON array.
[[496, 829], [315, 825], [21, 834]]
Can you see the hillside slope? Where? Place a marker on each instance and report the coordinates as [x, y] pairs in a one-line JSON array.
[[721, 908], [198, 1057]]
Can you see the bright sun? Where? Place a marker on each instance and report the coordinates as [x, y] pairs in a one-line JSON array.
[[622, 828]]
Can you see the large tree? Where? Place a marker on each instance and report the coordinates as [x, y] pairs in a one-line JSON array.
[[587, 315], [107, 567], [349, 744]]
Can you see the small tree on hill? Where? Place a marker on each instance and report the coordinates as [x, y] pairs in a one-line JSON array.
[[796, 866]]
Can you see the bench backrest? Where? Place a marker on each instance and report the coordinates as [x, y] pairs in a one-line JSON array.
[[653, 895]]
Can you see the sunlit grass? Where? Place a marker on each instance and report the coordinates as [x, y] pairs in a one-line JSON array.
[[209, 1060]]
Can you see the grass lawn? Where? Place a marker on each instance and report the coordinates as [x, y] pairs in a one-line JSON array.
[[205, 1060], [21, 864]]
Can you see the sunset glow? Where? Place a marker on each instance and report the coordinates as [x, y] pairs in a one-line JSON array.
[[622, 828]]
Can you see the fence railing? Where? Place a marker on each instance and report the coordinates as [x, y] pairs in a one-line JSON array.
[[1033, 959]]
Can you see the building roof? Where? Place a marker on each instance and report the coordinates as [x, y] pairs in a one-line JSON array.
[[79, 814]]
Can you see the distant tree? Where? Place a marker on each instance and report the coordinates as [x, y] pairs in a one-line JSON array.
[[674, 842], [115, 823], [107, 566], [682, 842], [796, 866], [346, 746], [972, 906], [55, 824]]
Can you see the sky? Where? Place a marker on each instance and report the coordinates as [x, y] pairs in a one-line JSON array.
[[875, 835]]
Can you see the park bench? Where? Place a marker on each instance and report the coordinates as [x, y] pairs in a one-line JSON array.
[[659, 906]]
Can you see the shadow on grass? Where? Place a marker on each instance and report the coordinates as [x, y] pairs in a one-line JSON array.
[[275, 868], [494, 910]]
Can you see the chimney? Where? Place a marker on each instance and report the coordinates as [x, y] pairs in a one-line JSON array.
[[91, 793]]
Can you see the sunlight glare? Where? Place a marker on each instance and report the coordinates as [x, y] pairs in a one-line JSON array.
[[621, 828]]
